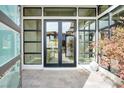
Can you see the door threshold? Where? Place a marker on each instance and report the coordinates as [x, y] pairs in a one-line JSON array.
[[40, 67], [60, 68]]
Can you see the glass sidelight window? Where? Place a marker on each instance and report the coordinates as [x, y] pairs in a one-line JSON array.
[[33, 47], [32, 58], [32, 41], [35, 36], [32, 24], [87, 37]]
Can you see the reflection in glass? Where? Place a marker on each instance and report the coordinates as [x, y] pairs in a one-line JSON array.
[[52, 42], [68, 32]]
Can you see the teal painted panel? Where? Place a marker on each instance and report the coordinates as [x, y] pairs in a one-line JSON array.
[[9, 44], [12, 11], [11, 78]]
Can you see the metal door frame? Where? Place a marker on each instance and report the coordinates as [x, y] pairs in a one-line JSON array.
[[59, 44]]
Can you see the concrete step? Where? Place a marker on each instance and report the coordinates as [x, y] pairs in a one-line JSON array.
[[99, 80]]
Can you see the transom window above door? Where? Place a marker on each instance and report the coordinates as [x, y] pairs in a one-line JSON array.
[[60, 11]]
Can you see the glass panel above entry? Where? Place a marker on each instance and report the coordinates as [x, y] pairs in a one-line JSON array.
[[59, 11]]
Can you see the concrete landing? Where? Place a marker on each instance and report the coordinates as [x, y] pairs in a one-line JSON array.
[[54, 78]]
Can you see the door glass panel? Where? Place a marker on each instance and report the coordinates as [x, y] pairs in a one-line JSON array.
[[52, 42], [68, 42]]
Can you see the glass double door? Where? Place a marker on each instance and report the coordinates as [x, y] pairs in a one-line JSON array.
[[59, 43]]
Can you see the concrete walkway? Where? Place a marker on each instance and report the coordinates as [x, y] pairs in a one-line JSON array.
[[99, 80], [54, 78]]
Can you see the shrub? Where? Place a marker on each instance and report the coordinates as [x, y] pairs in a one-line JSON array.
[[113, 48]]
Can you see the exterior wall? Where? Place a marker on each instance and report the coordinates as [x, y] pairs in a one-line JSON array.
[[10, 67]]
